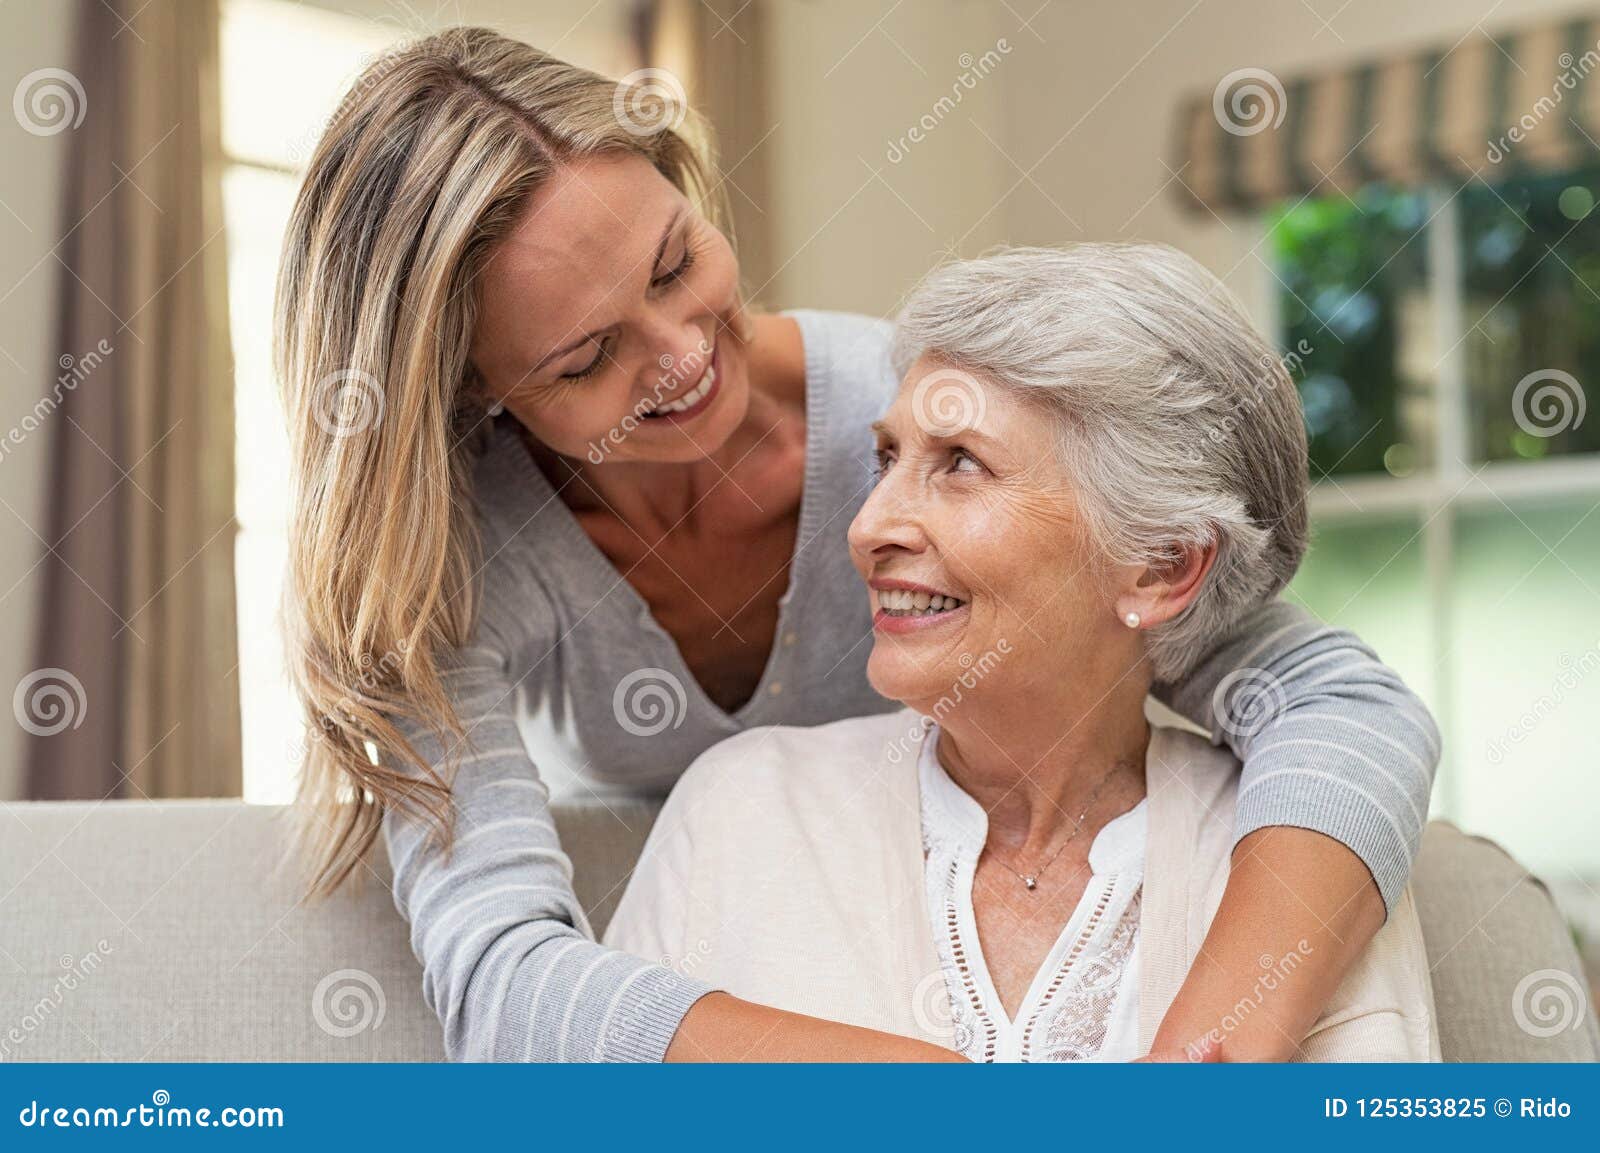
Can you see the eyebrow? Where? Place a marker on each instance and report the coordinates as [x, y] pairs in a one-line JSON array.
[[883, 431], [590, 337]]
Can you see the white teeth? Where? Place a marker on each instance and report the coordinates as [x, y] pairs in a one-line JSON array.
[[909, 603], [694, 396]]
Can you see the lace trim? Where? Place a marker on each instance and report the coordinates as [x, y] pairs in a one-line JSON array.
[[1090, 925], [973, 1013], [1076, 1026]]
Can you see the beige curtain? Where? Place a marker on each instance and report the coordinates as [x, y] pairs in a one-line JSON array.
[[718, 50], [139, 592]]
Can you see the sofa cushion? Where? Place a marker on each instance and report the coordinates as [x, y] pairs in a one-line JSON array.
[[1508, 984], [171, 931]]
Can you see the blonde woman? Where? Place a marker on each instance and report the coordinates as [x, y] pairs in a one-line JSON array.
[[551, 476]]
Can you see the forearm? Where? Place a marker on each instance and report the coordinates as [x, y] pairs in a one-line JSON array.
[[720, 1027], [1298, 910]]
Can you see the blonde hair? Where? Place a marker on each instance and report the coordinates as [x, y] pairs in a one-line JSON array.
[[430, 160]]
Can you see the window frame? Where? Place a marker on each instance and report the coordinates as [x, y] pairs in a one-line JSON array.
[[1435, 495]]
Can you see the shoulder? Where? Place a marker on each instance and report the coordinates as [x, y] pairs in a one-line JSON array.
[[849, 359], [792, 774], [520, 543], [1185, 769]]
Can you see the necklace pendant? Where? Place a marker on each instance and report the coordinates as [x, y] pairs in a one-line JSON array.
[[1031, 882]]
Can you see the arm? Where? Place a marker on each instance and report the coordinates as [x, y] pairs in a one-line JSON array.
[[1338, 764], [508, 962]]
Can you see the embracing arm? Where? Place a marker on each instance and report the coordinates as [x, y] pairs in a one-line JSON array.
[[1338, 759], [508, 960]]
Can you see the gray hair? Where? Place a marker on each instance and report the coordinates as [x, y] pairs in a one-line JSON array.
[[1179, 424]]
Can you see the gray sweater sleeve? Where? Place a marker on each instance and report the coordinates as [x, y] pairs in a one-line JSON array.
[[1330, 737], [509, 962]]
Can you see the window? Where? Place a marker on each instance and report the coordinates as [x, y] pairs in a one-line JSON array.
[[1443, 341], [271, 118]]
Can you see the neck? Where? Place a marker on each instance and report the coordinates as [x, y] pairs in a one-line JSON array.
[[1037, 768]]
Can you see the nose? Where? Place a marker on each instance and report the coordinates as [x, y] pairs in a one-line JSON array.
[[888, 522], [679, 353]]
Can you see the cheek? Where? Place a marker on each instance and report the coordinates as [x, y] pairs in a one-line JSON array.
[[1031, 556], [573, 420]]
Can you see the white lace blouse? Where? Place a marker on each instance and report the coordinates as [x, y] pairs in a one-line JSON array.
[[1083, 1004]]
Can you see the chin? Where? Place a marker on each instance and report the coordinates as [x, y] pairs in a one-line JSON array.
[[706, 432], [898, 677]]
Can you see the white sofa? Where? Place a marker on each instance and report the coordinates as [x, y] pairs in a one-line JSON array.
[[171, 932]]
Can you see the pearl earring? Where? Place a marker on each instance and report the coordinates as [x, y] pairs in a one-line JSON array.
[[1131, 620], [496, 408]]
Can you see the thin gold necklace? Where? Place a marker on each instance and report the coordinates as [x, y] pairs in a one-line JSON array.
[[1031, 880]]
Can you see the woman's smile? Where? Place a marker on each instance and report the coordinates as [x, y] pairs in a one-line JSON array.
[[906, 607], [694, 400]]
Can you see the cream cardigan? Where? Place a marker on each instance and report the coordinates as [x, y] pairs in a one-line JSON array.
[[786, 868]]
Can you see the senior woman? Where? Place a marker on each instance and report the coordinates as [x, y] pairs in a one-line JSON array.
[[1018, 865], [545, 465]]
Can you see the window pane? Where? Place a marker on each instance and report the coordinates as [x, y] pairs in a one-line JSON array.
[[274, 115], [256, 205], [1369, 578], [1358, 327], [1526, 660], [1531, 253]]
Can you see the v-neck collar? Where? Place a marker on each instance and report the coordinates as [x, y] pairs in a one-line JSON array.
[[1119, 843]]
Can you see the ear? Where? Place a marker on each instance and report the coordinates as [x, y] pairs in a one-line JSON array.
[[1161, 591]]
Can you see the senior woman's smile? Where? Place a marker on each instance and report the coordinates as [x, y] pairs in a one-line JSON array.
[[965, 518]]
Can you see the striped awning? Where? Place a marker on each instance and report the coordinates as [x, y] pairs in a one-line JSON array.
[[1488, 105]]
